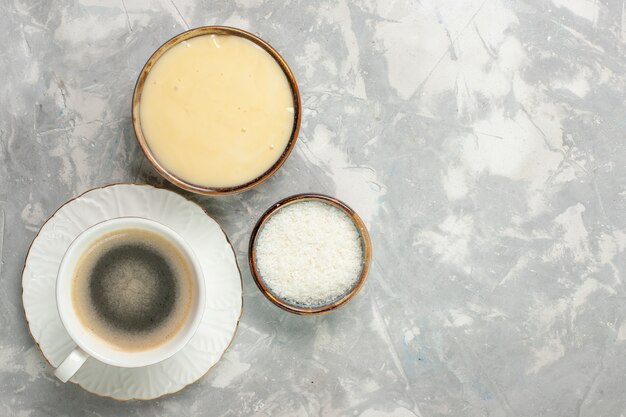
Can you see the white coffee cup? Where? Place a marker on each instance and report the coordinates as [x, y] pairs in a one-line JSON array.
[[88, 344]]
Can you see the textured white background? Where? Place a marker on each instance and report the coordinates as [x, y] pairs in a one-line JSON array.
[[482, 142]]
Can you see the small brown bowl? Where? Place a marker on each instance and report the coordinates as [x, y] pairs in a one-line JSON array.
[[301, 309], [215, 30]]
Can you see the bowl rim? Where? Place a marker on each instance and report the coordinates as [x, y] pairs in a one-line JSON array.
[[366, 245], [214, 30]]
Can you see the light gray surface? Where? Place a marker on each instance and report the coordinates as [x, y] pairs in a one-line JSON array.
[[482, 142]]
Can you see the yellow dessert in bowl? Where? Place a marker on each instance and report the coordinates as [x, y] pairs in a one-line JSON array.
[[216, 110]]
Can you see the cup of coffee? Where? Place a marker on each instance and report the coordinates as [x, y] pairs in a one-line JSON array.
[[130, 293]]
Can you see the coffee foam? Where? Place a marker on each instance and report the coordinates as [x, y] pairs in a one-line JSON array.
[[132, 289]]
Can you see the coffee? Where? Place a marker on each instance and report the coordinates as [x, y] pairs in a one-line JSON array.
[[133, 289]]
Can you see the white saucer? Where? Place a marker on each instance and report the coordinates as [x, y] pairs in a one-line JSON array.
[[223, 289]]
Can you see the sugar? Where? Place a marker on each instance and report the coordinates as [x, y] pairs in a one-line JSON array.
[[309, 253]]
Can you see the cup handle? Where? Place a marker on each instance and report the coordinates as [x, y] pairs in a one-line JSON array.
[[71, 364]]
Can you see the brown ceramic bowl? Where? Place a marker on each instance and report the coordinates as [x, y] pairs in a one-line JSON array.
[[216, 30], [302, 309]]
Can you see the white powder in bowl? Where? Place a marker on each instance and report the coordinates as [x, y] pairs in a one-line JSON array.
[[309, 253]]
